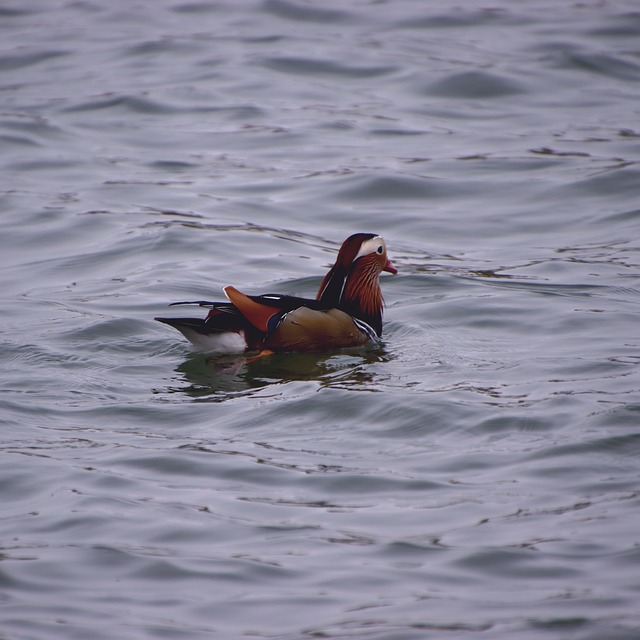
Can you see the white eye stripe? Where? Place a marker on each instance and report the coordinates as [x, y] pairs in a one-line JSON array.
[[373, 245]]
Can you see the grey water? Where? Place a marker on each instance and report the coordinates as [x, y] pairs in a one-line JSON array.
[[477, 476]]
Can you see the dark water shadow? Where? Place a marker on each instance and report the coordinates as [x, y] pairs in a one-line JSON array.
[[216, 378]]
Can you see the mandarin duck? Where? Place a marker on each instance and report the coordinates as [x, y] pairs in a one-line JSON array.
[[347, 311]]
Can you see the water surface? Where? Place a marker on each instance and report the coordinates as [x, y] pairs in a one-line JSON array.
[[476, 476]]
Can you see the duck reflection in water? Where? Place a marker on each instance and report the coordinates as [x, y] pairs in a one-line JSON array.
[[223, 377]]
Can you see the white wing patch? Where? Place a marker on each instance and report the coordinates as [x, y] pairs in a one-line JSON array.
[[223, 342]]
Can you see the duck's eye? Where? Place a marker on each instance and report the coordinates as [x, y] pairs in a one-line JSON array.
[[380, 249]]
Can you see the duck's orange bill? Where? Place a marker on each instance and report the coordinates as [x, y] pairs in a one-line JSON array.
[[390, 268]]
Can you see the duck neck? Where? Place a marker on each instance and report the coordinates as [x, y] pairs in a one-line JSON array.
[[355, 291], [362, 296], [332, 286]]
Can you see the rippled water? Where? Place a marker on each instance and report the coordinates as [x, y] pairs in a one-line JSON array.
[[477, 476]]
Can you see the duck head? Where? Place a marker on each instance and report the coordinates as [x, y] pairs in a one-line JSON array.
[[352, 283]]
